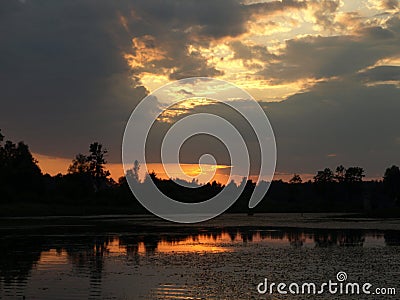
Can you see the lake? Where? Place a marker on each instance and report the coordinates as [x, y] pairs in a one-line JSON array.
[[143, 257]]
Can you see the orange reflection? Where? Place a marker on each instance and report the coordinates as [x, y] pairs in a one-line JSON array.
[[165, 247], [52, 258], [207, 242], [200, 243], [115, 248]]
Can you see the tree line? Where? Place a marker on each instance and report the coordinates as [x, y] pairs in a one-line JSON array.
[[88, 184]]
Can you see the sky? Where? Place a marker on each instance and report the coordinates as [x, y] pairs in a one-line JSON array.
[[326, 72]]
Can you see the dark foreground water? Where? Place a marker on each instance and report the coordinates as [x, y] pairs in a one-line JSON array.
[[144, 258]]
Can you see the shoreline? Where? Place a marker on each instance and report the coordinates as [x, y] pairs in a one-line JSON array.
[[323, 221]]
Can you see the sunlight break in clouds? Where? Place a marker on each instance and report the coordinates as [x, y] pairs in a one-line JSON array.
[[246, 58], [322, 69]]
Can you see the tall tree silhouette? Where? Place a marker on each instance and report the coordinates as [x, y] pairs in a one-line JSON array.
[[20, 174], [324, 176], [391, 181], [97, 161], [80, 165], [92, 166], [340, 174], [133, 174], [354, 174]]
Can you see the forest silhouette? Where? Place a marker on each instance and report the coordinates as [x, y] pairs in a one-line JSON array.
[[87, 188]]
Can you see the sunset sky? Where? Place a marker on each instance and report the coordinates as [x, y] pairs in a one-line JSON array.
[[327, 73]]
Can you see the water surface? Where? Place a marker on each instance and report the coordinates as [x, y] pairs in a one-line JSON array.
[[144, 258]]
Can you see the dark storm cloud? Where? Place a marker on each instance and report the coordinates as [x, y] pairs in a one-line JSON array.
[[381, 73], [250, 52], [266, 8], [193, 65], [175, 25], [203, 19], [195, 147], [323, 57], [64, 81], [337, 122]]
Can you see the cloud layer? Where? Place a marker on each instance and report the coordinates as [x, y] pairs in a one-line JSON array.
[[72, 71]]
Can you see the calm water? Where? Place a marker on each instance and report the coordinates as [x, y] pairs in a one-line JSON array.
[[123, 258]]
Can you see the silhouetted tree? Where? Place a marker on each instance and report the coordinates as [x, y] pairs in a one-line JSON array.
[[324, 184], [80, 165], [133, 174], [324, 176], [20, 174], [391, 181], [340, 174], [296, 179], [92, 166], [88, 183], [354, 189], [97, 161], [135, 170], [354, 174]]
